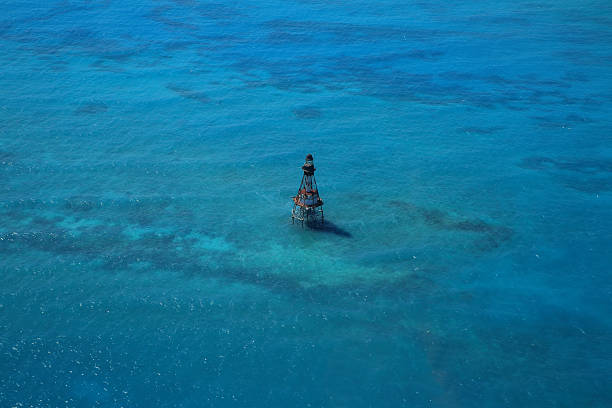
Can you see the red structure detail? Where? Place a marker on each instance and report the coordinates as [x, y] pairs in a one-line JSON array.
[[307, 205]]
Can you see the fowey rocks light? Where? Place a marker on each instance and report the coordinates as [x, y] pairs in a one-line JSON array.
[[307, 205]]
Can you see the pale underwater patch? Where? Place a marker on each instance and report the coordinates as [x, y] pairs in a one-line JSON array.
[[76, 225], [206, 242], [312, 267], [135, 233]]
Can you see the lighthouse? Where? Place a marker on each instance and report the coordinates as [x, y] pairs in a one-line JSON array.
[[307, 205]]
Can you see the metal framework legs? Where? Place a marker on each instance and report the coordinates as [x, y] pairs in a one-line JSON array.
[[312, 216]]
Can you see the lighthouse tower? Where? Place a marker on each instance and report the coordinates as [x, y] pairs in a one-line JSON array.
[[307, 205]]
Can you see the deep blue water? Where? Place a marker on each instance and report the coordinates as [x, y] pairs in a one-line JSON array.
[[149, 150]]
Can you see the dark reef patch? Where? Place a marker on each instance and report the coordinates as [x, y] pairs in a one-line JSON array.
[[185, 3], [585, 175], [348, 33], [548, 123], [582, 57], [380, 74], [67, 7], [555, 123], [188, 93], [86, 40], [91, 108], [6, 26], [307, 112], [574, 118], [102, 65], [500, 20], [113, 249], [59, 66], [178, 45], [281, 37], [218, 11], [480, 130], [45, 223], [159, 15], [575, 76], [585, 166], [425, 55], [57, 241], [6, 156], [120, 55], [490, 236], [589, 185], [79, 204]]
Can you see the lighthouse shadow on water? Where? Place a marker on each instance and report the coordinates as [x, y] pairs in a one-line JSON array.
[[328, 227]]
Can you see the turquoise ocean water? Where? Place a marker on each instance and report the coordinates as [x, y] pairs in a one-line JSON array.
[[149, 150]]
